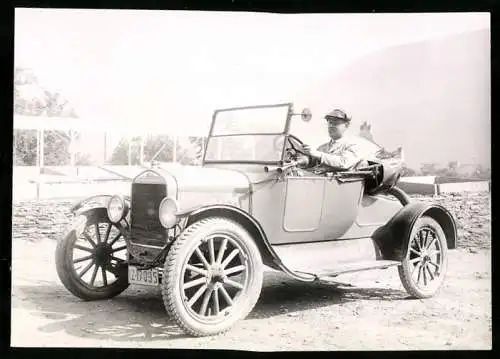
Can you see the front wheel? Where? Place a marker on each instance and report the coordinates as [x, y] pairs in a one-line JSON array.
[[212, 277], [423, 269], [92, 265]]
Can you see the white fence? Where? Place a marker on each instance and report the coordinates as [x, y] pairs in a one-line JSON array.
[[98, 137], [477, 186]]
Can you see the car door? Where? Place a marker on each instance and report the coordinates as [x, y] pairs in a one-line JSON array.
[[341, 201], [303, 204]]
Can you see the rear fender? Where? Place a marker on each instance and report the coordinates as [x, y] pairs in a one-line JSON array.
[[393, 238]]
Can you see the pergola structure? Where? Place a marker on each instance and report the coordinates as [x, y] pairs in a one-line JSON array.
[[74, 125]]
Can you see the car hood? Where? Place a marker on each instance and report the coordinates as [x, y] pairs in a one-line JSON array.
[[195, 186], [204, 179]]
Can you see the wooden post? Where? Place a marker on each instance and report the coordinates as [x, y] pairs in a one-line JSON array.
[[38, 150], [72, 147], [130, 151], [175, 149], [142, 149], [105, 151], [202, 149], [42, 145], [14, 148]]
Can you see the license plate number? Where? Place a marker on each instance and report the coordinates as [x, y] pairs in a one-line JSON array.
[[143, 276]]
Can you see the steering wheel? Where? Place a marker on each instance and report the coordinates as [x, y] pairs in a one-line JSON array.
[[291, 150], [294, 151], [289, 140]]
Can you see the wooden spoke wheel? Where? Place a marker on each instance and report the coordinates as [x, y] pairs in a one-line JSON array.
[[423, 270], [212, 277], [92, 265]]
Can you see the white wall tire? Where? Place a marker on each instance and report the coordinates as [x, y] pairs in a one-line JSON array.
[[207, 296], [423, 269]]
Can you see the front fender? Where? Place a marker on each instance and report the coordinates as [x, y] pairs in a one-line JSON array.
[[97, 201], [269, 256], [393, 237], [251, 225]]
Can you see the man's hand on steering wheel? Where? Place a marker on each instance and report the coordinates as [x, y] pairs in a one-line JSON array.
[[298, 148], [315, 154]]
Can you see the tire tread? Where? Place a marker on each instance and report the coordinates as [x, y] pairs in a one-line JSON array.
[[406, 280], [65, 273], [169, 267]]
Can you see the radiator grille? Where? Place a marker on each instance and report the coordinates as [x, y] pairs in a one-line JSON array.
[[145, 224]]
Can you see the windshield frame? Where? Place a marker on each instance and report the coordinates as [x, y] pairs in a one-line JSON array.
[[285, 132]]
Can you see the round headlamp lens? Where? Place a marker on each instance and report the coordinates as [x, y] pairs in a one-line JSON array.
[[168, 212], [116, 208]]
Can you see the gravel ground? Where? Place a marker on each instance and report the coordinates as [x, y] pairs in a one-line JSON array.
[[374, 315]]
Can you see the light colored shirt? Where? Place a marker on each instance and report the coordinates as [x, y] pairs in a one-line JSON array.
[[344, 153], [348, 151]]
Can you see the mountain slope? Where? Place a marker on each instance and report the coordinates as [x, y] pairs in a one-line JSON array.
[[432, 97]]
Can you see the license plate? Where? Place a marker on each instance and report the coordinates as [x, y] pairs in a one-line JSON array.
[[143, 276]]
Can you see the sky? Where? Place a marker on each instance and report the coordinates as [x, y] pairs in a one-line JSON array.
[[159, 69]]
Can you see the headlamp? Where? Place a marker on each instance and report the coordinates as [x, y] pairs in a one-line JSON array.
[[117, 208], [168, 212]]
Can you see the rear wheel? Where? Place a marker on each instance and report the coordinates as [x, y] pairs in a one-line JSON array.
[[212, 276], [92, 265], [423, 270]]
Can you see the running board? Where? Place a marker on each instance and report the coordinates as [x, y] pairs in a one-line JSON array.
[[318, 260], [345, 268]]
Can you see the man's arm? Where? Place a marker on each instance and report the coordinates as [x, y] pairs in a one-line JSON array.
[[347, 159]]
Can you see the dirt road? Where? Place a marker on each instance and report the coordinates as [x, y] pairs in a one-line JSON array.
[[290, 315]]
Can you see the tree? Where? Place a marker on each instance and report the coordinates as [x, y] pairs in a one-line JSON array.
[[56, 148], [25, 147], [153, 143], [120, 154], [408, 172], [189, 152], [31, 99], [428, 169], [453, 165], [82, 159], [451, 169], [482, 173]]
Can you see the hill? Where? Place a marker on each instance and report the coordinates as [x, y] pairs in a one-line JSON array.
[[432, 97]]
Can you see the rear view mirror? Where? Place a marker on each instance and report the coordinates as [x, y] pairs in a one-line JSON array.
[[306, 115]]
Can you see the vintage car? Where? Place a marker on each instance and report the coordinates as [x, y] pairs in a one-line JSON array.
[[204, 234]]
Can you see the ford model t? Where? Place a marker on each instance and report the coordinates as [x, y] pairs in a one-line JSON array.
[[204, 233]]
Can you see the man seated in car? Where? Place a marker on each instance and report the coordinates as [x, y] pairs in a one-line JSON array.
[[342, 152]]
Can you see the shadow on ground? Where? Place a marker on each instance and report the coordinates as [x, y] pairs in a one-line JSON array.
[[280, 294], [138, 313]]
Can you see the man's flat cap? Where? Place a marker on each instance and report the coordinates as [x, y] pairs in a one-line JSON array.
[[337, 114]]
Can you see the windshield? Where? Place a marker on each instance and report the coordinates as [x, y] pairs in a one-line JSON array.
[[250, 134], [253, 120], [245, 148]]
